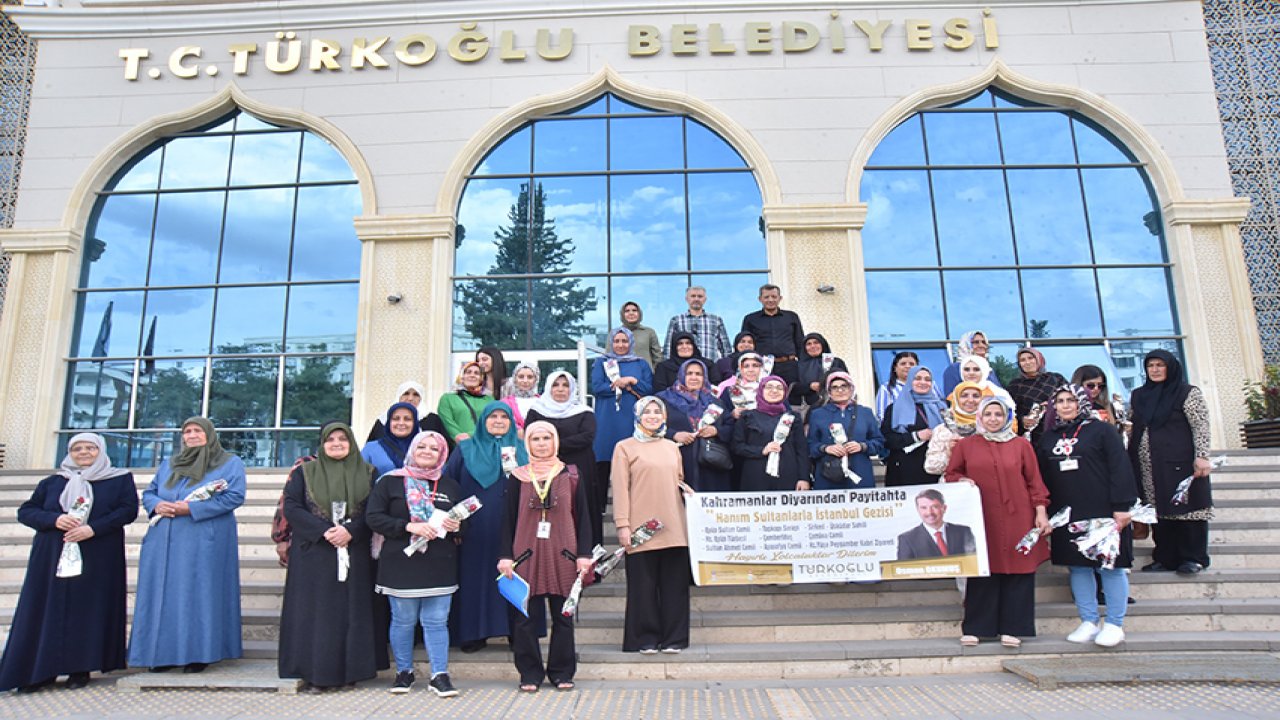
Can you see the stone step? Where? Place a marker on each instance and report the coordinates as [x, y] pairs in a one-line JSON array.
[[1051, 673]]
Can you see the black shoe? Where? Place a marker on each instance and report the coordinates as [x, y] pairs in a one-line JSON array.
[[1156, 567], [441, 686], [161, 668], [192, 668], [309, 689], [404, 681], [1189, 568], [471, 647], [36, 687], [75, 681], [1131, 601]]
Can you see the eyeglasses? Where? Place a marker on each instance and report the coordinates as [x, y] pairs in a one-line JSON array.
[[1093, 385], [839, 386]]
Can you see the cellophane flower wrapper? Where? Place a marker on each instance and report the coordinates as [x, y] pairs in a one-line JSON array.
[[1143, 513], [460, 511], [639, 536], [344, 555], [200, 494], [1181, 493], [570, 606], [709, 417], [1100, 541], [780, 434], [1028, 541], [612, 372], [828, 359], [509, 462], [741, 398], [839, 437], [1034, 416], [71, 562], [766, 365]]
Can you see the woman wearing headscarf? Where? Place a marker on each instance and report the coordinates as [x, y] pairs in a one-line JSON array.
[[961, 423], [1169, 442], [615, 401], [72, 625], [1084, 466], [388, 452], [575, 425], [1035, 386], [460, 408], [648, 483], [687, 401], [420, 586], [862, 437], [1094, 381], [327, 635], [684, 347], [753, 441], [480, 612], [494, 366], [413, 393], [737, 396], [546, 517], [520, 391], [972, 343], [816, 360], [187, 610], [743, 342], [907, 428], [645, 342], [889, 390], [1003, 466]]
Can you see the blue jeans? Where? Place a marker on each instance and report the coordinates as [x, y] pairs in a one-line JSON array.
[[1115, 588], [433, 613]]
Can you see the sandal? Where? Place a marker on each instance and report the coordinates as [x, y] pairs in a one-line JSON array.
[[528, 688], [968, 640], [564, 685], [1010, 641]]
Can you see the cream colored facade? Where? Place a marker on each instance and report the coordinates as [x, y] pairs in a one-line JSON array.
[[805, 120]]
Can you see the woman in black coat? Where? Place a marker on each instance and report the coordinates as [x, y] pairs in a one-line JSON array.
[[816, 360], [684, 347], [908, 425], [1083, 463], [753, 441], [687, 402], [575, 423]]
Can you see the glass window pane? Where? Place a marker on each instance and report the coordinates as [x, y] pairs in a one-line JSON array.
[[1097, 148], [573, 237], [321, 162], [491, 312], [961, 138], [984, 299], [150, 449], [1004, 361], [1005, 100], [569, 145], [169, 391], [729, 296], [317, 389], [322, 318], [121, 240], [1136, 301], [619, 106], [1061, 304], [255, 244], [1122, 216], [249, 320], [724, 222], [599, 106], [242, 394], [294, 444], [899, 228], [904, 145], [256, 448], [99, 394], [935, 359], [652, 143], [565, 310], [981, 100], [192, 162], [265, 158], [905, 306], [245, 121], [647, 228], [485, 213], [1036, 138], [1065, 359], [973, 217], [183, 321], [188, 226], [110, 323], [707, 149], [1048, 217], [144, 175], [510, 156], [1127, 356], [659, 296], [325, 246]]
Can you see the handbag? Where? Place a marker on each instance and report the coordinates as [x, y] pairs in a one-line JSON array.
[[713, 454], [830, 469]]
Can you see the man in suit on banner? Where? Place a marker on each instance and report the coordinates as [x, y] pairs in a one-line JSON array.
[[934, 537]]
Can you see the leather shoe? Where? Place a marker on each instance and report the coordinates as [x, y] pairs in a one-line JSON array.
[[75, 681], [1156, 567], [1189, 568]]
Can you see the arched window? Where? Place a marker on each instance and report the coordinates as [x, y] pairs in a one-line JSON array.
[[220, 276], [574, 214], [1026, 221]]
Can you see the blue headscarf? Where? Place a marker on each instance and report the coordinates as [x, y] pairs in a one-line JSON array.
[[681, 398], [631, 345], [397, 447], [482, 452], [904, 406]]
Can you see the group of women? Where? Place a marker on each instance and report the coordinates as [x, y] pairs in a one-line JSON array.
[[381, 527]]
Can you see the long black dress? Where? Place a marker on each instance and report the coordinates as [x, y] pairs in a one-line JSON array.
[[577, 433], [696, 475], [902, 467], [751, 433], [1101, 485], [71, 625], [326, 627]]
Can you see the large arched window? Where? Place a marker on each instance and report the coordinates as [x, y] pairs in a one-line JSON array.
[[574, 214], [220, 277], [1025, 221]]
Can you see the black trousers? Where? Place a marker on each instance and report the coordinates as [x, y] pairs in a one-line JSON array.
[[1000, 605], [657, 600], [604, 468], [562, 660], [1180, 541]]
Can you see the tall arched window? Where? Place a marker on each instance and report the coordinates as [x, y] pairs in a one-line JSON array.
[[1026, 221], [220, 277], [574, 214]]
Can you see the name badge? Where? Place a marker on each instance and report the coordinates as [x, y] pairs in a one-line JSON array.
[[544, 530], [1068, 465]]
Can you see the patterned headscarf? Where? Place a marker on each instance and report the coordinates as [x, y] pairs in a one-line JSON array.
[[640, 433], [1006, 432]]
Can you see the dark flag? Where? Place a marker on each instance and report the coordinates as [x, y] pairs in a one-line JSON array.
[[104, 333], [149, 364]]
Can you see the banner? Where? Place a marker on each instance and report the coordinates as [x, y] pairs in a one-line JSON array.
[[901, 533]]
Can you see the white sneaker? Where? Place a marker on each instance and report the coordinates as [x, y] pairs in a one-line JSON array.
[[1110, 635], [1083, 634]]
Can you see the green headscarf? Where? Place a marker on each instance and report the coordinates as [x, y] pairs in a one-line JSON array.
[[330, 480], [194, 462]]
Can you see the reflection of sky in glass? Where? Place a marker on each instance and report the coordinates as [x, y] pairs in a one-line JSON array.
[[509, 156], [1135, 301], [650, 143], [249, 320], [321, 161], [983, 99], [569, 146], [1128, 356], [1048, 217], [618, 105], [191, 162], [265, 158], [932, 358], [724, 221], [322, 318], [183, 320], [659, 297], [905, 306], [578, 207], [973, 217], [325, 246], [1036, 138], [904, 145], [1064, 359], [255, 244], [1118, 203], [985, 299], [899, 229], [729, 296], [186, 243], [144, 175], [599, 106], [245, 121], [648, 223], [126, 323], [179, 385], [1094, 148], [708, 150], [485, 207], [124, 227], [1067, 299], [961, 138]]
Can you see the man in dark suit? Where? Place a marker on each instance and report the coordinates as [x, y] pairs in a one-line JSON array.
[[777, 332], [934, 537]]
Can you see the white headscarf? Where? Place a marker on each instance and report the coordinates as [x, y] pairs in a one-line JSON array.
[[411, 385], [549, 408], [78, 478], [513, 390]]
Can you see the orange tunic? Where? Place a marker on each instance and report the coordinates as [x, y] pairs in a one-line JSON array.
[[1008, 478]]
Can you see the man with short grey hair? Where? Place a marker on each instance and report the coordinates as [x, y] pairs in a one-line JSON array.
[[707, 329]]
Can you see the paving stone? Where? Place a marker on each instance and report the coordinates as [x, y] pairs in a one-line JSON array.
[[1049, 673]]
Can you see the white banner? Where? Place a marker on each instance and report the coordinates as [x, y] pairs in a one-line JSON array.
[[910, 532]]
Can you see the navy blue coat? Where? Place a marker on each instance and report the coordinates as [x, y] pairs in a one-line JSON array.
[[860, 426]]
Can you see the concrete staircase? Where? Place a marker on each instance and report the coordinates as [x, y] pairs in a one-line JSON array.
[[821, 631]]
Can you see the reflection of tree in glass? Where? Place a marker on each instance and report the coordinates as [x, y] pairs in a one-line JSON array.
[[548, 312], [168, 397], [315, 392], [1039, 328], [242, 393], [1004, 369]]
